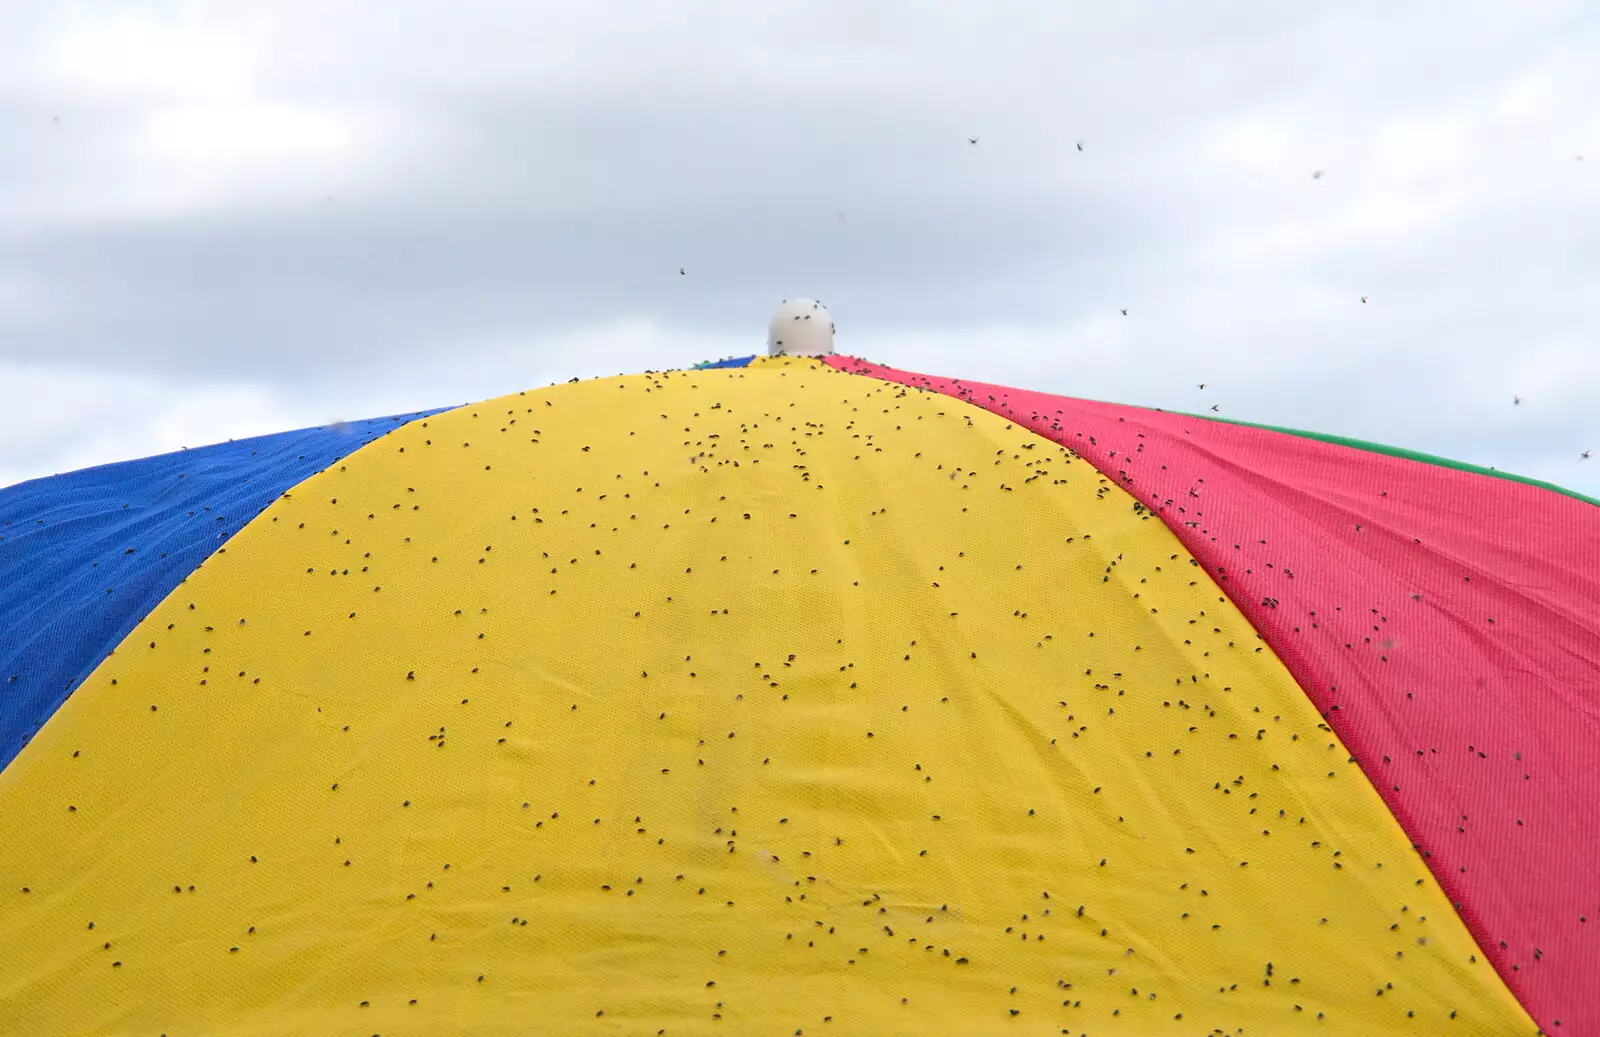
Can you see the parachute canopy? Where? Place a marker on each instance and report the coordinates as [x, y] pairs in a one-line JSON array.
[[798, 695]]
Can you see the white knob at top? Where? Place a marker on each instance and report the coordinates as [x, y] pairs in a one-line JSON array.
[[800, 327]]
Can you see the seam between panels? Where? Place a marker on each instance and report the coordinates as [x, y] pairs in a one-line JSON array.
[[239, 473], [1293, 662]]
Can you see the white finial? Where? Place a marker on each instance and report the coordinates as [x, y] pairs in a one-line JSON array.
[[800, 327]]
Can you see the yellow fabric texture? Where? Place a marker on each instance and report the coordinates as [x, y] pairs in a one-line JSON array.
[[774, 701]]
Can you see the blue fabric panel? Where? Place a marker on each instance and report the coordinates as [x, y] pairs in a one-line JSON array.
[[738, 361], [86, 555]]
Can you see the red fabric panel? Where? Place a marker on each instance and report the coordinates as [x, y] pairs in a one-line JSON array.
[[1446, 623]]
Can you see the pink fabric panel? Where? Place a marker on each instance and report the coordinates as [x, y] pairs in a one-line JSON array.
[[1447, 625]]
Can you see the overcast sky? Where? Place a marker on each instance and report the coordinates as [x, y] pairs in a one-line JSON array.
[[231, 218]]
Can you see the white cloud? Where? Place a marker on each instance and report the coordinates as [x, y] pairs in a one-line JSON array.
[[300, 208], [61, 419], [167, 114], [121, 56], [192, 158]]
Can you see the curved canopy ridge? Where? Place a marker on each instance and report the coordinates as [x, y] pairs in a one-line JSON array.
[[1442, 620], [766, 698]]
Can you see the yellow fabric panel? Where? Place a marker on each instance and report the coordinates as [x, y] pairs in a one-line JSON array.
[[769, 701]]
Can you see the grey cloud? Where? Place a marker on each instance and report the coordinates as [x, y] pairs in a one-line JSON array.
[[544, 170]]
